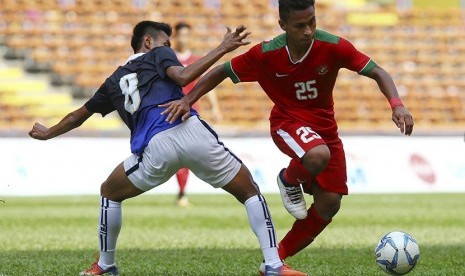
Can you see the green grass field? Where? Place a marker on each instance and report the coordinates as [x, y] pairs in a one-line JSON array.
[[57, 235]]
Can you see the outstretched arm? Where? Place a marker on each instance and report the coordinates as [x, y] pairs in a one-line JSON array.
[[400, 115], [69, 122], [182, 107], [231, 41]]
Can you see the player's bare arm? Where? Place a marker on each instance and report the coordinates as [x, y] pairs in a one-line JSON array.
[[400, 115], [69, 122], [181, 107], [231, 41]]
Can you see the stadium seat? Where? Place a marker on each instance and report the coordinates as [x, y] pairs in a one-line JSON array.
[[81, 42]]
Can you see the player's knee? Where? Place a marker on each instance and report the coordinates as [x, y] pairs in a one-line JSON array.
[[316, 159], [246, 191], [242, 186], [105, 191]]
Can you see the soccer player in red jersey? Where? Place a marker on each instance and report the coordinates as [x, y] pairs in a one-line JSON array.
[[298, 71], [182, 41]]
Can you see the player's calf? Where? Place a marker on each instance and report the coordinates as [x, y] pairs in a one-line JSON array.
[[326, 204], [244, 189]]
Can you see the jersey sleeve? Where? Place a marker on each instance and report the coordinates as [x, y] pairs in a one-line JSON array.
[[353, 59], [100, 102], [164, 57], [245, 67]]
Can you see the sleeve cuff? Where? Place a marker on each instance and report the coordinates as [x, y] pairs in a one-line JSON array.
[[368, 68], [230, 72]]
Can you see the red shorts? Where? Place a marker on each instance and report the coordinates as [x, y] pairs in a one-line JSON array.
[[295, 139]]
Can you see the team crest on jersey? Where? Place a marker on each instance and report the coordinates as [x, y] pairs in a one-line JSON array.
[[322, 69]]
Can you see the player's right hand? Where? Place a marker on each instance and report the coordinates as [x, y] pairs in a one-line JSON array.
[[403, 120], [233, 40], [39, 132], [175, 109]]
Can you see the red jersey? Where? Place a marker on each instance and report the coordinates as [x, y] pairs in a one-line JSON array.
[[302, 90], [185, 61]]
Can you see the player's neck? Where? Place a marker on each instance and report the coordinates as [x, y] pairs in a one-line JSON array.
[[296, 52], [143, 50]]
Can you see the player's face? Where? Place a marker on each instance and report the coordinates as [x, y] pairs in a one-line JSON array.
[[300, 27], [162, 40], [183, 38]]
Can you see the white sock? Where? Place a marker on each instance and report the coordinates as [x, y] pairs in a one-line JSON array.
[[110, 221], [262, 225]]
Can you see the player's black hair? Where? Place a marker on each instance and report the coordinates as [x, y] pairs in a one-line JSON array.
[[286, 6], [182, 25], [151, 28]]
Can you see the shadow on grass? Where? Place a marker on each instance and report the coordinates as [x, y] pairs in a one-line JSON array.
[[435, 260]]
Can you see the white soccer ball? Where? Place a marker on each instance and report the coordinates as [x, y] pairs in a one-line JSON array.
[[397, 253]]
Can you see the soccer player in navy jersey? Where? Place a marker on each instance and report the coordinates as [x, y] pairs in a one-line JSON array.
[[298, 71], [151, 77]]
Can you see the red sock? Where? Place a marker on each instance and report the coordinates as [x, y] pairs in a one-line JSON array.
[[295, 173], [181, 175], [302, 233]]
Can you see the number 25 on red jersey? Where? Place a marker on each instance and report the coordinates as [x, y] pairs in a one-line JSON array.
[[307, 134], [305, 90]]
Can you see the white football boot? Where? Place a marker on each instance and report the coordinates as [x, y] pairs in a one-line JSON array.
[[292, 197]]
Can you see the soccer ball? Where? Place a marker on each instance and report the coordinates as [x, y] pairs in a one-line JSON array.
[[397, 253]]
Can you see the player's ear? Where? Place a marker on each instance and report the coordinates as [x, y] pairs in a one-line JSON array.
[[282, 24], [148, 42]]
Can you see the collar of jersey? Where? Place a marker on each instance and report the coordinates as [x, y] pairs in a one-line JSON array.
[[134, 57], [302, 58]]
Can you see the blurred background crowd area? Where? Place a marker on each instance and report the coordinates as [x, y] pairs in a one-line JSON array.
[[55, 53]]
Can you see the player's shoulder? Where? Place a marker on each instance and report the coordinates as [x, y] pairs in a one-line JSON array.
[[274, 44], [326, 37], [114, 78], [161, 51]]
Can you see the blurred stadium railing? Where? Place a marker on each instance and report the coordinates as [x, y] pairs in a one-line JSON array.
[[56, 53]]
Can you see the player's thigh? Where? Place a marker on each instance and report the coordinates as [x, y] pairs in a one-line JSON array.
[[334, 177], [118, 187], [206, 156], [158, 163], [294, 138]]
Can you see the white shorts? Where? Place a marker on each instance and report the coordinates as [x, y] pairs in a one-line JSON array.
[[192, 144]]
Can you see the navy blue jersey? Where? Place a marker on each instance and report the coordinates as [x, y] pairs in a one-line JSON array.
[[135, 90]]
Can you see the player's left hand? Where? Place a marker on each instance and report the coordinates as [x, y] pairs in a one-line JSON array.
[[39, 132], [175, 109], [403, 119], [233, 40]]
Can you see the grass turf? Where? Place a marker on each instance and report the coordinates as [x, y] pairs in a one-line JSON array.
[[57, 235]]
